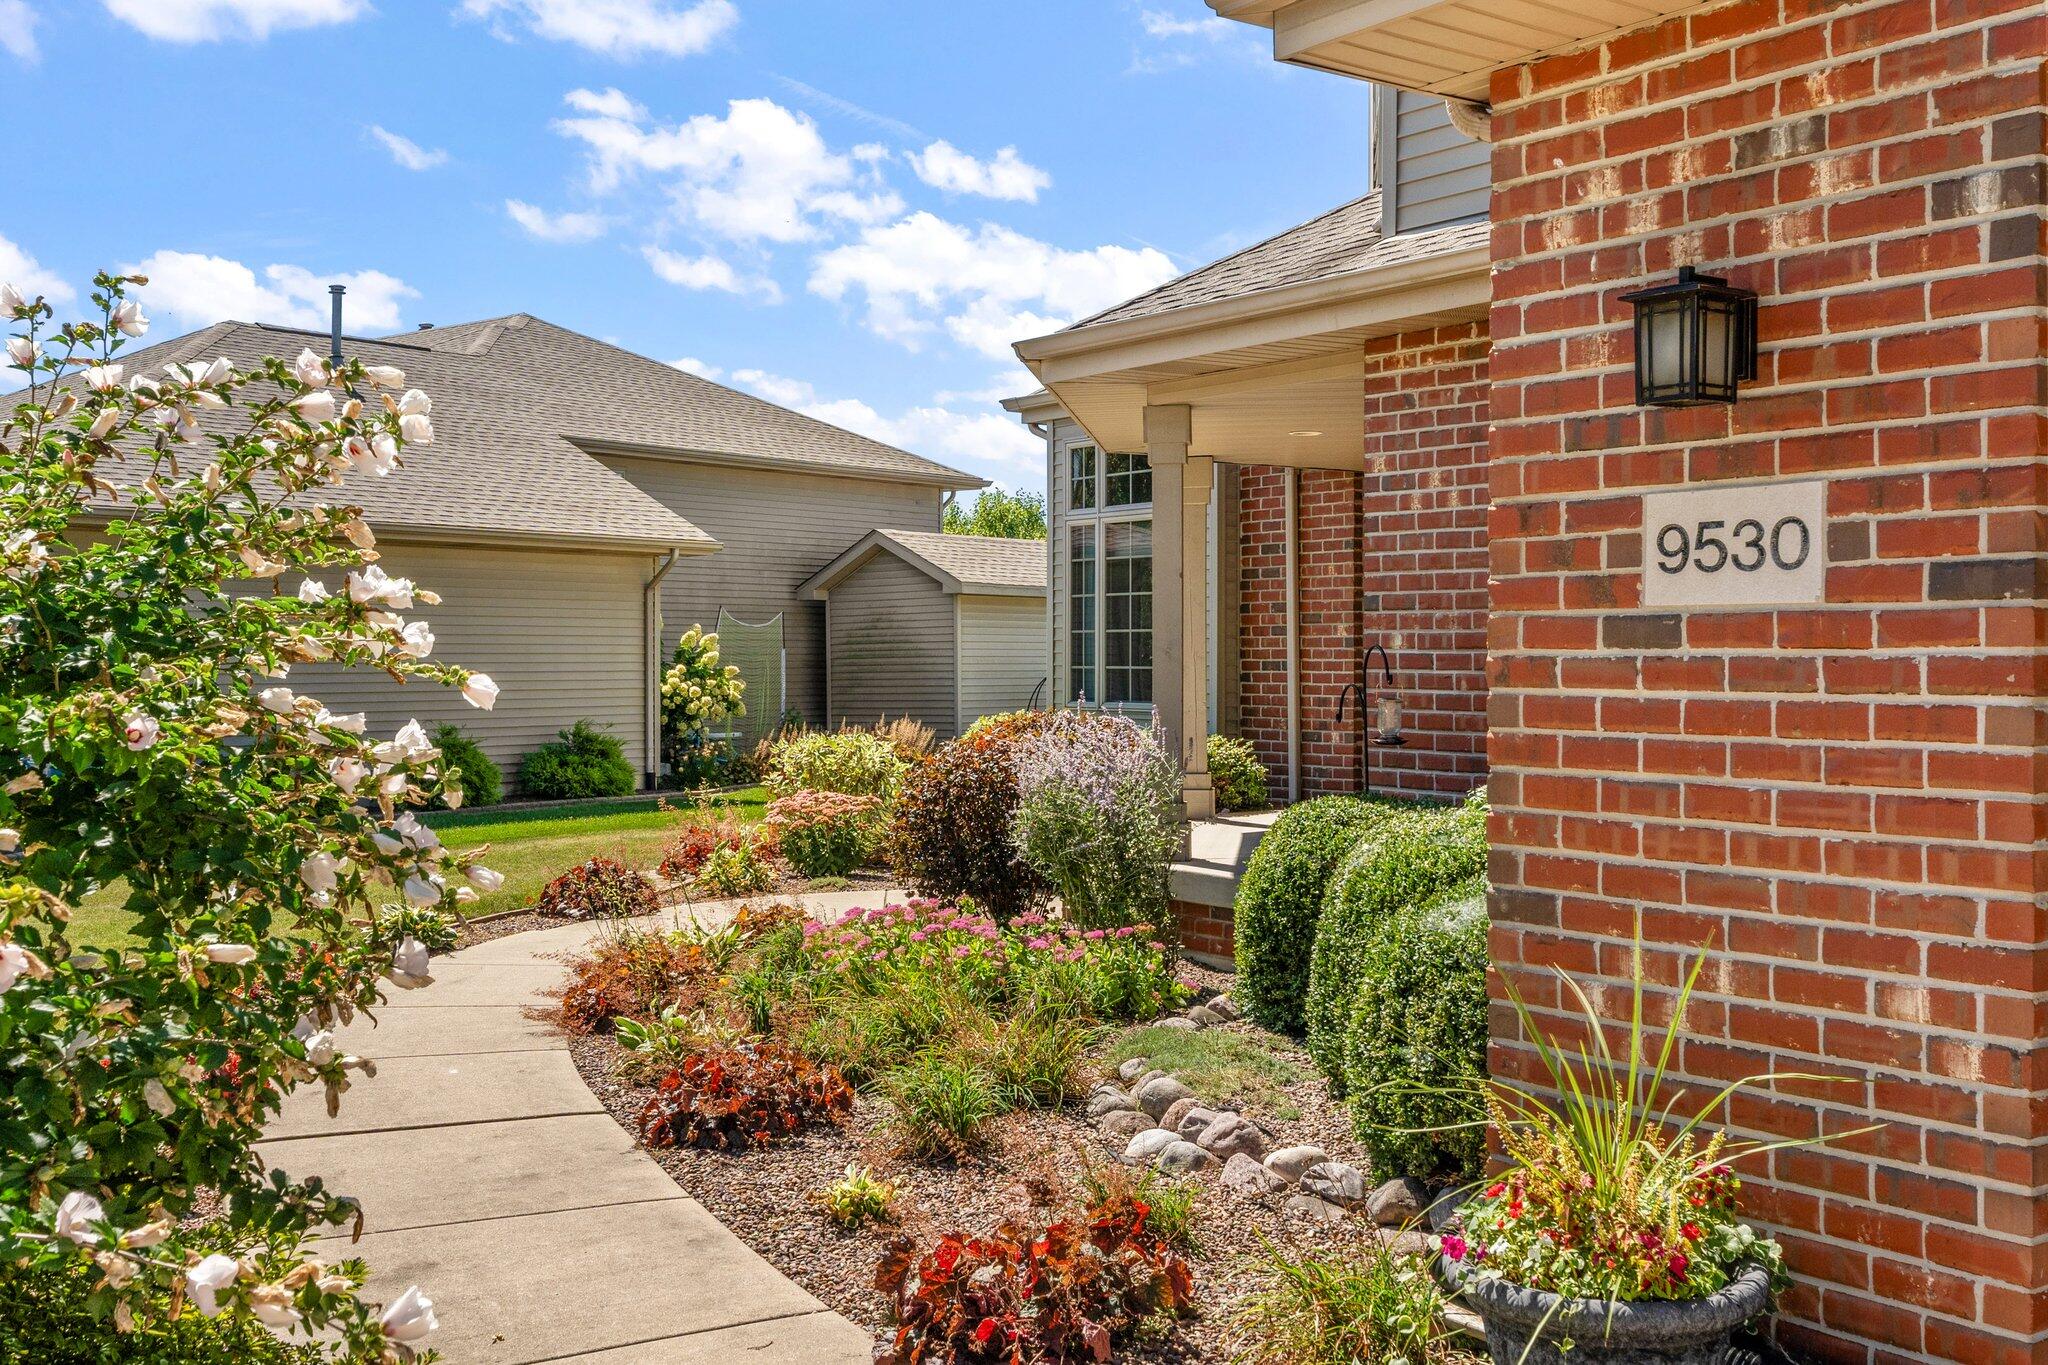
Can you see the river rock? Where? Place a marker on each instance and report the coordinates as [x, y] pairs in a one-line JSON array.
[[1184, 1158], [1405, 1243], [1177, 1111], [1224, 1006], [1124, 1124], [1314, 1209], [1230, 1135], [1336, 1181], [1156, 1096], [1148, 1144], [1398, 1202], [1106, 1102], [1206, 1017], [1131, 1070], [1291, 1163], [1178, 1021], [1246, 1178], [1146, 1077]]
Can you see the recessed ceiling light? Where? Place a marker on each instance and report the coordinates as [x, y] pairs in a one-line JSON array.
[[1304, 433]]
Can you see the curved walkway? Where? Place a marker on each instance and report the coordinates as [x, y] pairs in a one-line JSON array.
[[490, 1176]]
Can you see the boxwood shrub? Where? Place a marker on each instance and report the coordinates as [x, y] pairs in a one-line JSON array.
[[585, 762], [481, 782], [1281, 898], [1415, 1051], [1413, 857]]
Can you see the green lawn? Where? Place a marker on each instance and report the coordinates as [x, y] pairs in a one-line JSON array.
[[531, 847], [1221, 1066]]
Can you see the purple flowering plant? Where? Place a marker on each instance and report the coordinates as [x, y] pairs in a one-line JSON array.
[[1098, 813]]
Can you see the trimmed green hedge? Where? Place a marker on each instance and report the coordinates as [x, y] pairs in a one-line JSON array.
[[1411, 858], [1281, 898], [585, 762], [1415, 1051], [481, 782]]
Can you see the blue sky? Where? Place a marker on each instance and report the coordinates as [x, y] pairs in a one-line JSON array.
[[849, 206]]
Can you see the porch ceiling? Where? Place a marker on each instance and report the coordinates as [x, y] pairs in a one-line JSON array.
[[1275, 378], [1443, 47]]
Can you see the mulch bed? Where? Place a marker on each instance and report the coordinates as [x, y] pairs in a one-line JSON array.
[[763, 1195]]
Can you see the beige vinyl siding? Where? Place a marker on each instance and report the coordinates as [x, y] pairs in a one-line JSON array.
[[1429, 173], [777, 528], [1002, 654], [892, 646], [560, 632]]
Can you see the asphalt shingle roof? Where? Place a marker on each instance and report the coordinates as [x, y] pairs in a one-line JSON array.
[[978, 561], [1341, 242]]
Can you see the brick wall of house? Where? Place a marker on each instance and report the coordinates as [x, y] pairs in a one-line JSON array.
[[1846, 799], [1396, 556], [1422, 517]]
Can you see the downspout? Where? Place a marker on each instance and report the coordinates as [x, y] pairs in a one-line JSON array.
[[1291, 505], [650, 606]]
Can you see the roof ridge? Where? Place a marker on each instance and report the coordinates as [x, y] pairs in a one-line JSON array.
[[1344, 207]]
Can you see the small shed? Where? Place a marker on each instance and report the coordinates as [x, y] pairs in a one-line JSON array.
[[944, 629]]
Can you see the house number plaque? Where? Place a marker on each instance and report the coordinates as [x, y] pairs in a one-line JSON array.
[[1752, 545]]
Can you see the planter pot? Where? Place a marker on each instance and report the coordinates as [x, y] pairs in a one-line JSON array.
[[1693, 1332]]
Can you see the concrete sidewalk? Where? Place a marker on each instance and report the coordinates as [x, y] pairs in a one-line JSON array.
[[491, 1177]]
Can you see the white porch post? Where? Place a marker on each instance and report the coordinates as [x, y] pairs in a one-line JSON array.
[[1181, 484]]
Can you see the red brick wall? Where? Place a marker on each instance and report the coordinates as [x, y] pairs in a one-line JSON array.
[[1847, 799], [1396, 557], [1423, 508]]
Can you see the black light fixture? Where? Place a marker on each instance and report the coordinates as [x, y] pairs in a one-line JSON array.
[[1695, 341], [1385, 714]]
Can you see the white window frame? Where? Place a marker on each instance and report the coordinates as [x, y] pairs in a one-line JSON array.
[[1101, 517]]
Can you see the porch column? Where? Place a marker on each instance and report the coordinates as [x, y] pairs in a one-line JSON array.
[[1181, 485]]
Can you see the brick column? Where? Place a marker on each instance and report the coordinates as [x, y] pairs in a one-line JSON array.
[[1328, 620], [1847, 799]]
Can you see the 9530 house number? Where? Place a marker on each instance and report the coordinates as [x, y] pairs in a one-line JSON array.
[[1746, 546]]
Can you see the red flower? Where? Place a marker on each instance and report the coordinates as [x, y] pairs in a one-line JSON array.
[[1454, 1246], [1691, 1232], [1677, 1265], [1496, 1189], [983, 1332]]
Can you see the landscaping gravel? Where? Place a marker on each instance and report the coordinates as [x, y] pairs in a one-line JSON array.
[[763, 1195]]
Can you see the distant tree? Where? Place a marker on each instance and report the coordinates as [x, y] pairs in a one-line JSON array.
[[1014, 516]]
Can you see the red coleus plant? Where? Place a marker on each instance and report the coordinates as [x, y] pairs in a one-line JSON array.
[[743, 1096], [1025, 1295], [603, 888]]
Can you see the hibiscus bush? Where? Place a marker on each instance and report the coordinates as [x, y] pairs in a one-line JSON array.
[[152, 525]]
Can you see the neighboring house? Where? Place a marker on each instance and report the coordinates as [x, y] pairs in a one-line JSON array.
[[943, 629], [563, 514], [1756, 666]]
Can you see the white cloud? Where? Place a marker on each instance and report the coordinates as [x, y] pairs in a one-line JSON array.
[[1178, 40], [406, 152], [760, 173], [986, 287], [1160, 24], [1011, 383], [556, 227], [708, 272], [1005, 176], [617, 28], [207, 21], [18, 29], [21, 270], [201, 290], [703, 369], [996, 441]]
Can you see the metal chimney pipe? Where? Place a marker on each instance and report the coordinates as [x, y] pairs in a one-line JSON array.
[[334, 332]]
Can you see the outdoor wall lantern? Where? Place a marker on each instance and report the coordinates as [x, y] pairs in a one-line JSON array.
[[1695, 341]]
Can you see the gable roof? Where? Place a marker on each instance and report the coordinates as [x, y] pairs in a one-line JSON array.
[[1343, 241], [603, 398], [980, 565], [499, 467]]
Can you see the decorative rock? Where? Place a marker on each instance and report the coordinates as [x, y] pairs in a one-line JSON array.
[[1244, 1177], [1316, 1210], [1184, 1158], [1224, 1006], [1106, 1102], [1444, 1210], [1398, 1202], [1232, 1135], [1146, 1077], [1178, 1021], [1176, 1111], [1148, 1144], [1193, 1120], [1155, 1097], [1291, 1163], [1131, 1070], [1335, 1181], [1406, 1243], [1207, 1017], [1124, 1124]]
